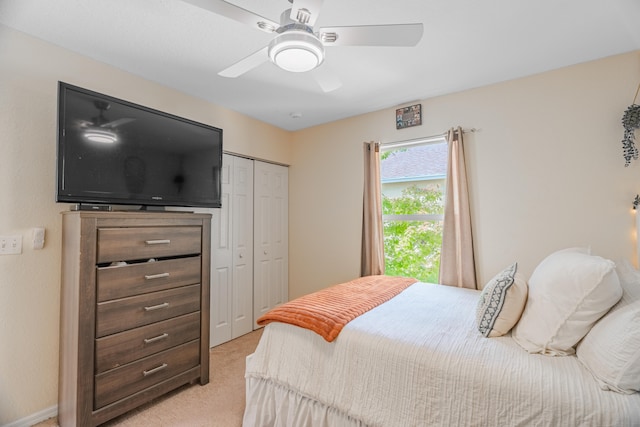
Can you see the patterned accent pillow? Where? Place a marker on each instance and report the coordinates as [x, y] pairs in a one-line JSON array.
[[501, 302]]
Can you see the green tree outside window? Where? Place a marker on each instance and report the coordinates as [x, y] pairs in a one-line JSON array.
[[412, 248]]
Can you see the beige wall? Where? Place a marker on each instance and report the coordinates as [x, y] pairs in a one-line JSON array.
[[545, 170], [29, 283]]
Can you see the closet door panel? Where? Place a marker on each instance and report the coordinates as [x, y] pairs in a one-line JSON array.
[[271, 237], [221, 313], [280, 243], [221, 261], [261, 298], [242, 297]]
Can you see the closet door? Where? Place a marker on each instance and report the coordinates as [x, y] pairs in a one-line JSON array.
[[232, 253], [271, 246], [221, 256], [242, 294]]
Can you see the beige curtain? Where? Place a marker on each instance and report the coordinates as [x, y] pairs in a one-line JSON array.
[[457, 264], [372, 237]]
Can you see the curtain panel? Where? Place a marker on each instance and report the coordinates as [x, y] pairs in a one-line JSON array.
[[457, 262], [372, 235]]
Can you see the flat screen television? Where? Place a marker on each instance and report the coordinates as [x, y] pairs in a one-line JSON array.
[[115, 152]]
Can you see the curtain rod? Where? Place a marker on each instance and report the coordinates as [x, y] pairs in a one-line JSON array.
[[423, 140]]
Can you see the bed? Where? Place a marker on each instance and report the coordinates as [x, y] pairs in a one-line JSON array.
[[418, 359]]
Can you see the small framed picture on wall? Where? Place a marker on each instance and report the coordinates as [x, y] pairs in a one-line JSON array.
[[409, 116]]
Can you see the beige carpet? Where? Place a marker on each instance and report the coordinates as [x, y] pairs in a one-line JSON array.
[[217, 404]]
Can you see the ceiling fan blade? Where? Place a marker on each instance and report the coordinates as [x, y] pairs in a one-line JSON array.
[[306, 11], [326, 78], [236, 13], [246, 64], [372, 35], [117, 123]]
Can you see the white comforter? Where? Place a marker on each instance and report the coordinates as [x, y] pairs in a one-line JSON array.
[[419, 360]]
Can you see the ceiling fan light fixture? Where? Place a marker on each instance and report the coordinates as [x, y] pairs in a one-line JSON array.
[[296, 51], [101, 135]]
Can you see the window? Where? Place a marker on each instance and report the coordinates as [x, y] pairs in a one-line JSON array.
[[413, 178]]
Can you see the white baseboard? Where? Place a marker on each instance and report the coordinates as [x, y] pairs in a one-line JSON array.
[[36, 418]]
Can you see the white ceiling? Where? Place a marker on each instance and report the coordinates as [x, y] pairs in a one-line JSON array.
[[466, 44]]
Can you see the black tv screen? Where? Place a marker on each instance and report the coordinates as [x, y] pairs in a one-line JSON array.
[[116, 152]]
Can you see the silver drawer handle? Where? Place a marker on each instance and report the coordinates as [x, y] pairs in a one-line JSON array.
[[157, 242], [155, 276], [156, 307], [154, 339], [154, 370]]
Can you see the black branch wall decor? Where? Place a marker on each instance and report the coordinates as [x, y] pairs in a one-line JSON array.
[[630, 122]]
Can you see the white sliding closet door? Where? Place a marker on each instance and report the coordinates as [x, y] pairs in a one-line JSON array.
[[232, 253], [271, 245]]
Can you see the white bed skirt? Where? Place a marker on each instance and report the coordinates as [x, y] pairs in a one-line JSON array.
[[269, 404]]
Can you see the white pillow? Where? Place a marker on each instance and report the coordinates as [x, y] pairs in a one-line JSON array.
[[629, 280], [501, 302], [611, 350], [568, 292]]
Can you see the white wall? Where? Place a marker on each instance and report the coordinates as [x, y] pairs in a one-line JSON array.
[[545, 170], [30, 282]]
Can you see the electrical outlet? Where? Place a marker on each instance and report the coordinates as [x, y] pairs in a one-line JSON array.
[[11, 244]]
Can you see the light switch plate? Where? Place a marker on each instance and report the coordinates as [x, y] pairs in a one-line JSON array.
[[11, 244]]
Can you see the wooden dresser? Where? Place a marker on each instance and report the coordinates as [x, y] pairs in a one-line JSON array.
[[134, 321]]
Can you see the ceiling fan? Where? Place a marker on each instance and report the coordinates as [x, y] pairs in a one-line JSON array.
[[100, 129], [297, 47]]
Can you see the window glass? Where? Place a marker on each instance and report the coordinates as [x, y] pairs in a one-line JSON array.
[[413, 184]]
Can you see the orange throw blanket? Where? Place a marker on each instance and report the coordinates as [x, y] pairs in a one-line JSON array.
[[327, 311]]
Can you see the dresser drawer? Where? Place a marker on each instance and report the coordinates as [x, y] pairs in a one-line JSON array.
[[135, 279], [132, 243], [119, 349], [127, 313], [117, 383]]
